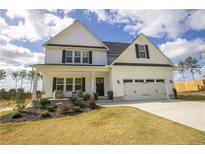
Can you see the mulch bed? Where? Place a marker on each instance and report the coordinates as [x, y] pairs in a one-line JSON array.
[[33, 116]]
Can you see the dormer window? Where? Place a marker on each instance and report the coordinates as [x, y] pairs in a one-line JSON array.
[[142, 51]]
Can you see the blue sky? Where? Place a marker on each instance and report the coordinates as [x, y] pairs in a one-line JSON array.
[[178, 33]]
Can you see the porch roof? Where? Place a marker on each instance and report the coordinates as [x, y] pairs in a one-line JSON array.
[[70, 67]]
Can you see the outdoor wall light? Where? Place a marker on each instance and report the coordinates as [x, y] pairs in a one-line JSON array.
[[118, 81]]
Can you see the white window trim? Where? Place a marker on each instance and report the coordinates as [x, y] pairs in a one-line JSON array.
[[68, 56], [142, 51], [73, 57], [57, 84], [77, 57], [68, 84], [73, 84], [78, 84], [82, 57]]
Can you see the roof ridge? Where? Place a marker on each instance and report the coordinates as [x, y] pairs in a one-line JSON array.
[[116, 42]]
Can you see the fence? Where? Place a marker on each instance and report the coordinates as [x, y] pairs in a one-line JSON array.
[[197, 85]]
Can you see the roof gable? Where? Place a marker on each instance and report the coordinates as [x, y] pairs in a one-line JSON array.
[[129, 54], [78, 35]]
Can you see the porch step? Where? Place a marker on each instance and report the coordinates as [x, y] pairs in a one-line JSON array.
[[103, 97]]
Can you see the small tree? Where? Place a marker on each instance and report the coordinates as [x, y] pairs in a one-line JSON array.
[[2, 74], [20, 100], [192, 65], [181, 68], [22, 75]]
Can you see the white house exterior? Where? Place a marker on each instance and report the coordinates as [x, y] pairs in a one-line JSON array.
[[75, 59]]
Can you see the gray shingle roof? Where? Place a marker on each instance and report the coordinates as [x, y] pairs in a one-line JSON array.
[[116, 47]]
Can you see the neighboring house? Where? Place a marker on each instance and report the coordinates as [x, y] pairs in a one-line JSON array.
[[75, 59]]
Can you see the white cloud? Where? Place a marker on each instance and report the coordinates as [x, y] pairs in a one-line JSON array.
[[3, 24], [196, 20], [154, 23], [15, 57], [180, 48], [35, 25]]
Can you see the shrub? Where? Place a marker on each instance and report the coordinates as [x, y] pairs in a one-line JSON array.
[[110, 94], [92, 104], [45, 114], [80, 94], [16, 115], [20, 100], [80, 103], [175, 92], [44, 103], [96, 95], [77, 109], [73, 99], [65, 108], [50, 109], [86, 97]]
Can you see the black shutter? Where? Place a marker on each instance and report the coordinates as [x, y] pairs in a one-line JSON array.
[[90, 57], [83, 84], [63, 56], [137, 51], [147, 51], [54, 83]]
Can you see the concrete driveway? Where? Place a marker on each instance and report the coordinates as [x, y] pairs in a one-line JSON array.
[[189, 113]]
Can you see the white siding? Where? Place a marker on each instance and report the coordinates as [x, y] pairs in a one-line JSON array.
[[129, 55], [76, 35], [99, 57], [54, 55]]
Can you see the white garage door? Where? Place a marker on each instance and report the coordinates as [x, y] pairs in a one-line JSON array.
[[144, 89]]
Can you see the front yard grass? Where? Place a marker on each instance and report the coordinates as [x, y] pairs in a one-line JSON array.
[[200, 98], [112, 125]]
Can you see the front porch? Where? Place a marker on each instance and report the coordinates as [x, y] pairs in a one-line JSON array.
[[72, 79]]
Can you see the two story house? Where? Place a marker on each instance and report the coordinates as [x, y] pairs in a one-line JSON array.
[[75, 59]]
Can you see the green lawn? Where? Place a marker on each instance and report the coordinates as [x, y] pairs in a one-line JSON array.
[[192, 98], [112, 125]]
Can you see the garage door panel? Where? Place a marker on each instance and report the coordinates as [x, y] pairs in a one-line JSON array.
[[144, 91]]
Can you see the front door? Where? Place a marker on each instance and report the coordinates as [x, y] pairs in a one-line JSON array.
[[100, 86]]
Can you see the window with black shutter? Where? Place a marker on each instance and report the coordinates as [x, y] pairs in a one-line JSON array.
[[54, 84], [90, 57]]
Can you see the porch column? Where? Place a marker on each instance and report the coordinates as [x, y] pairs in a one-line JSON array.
[[167, 91], [92, 82], [35, 80]]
